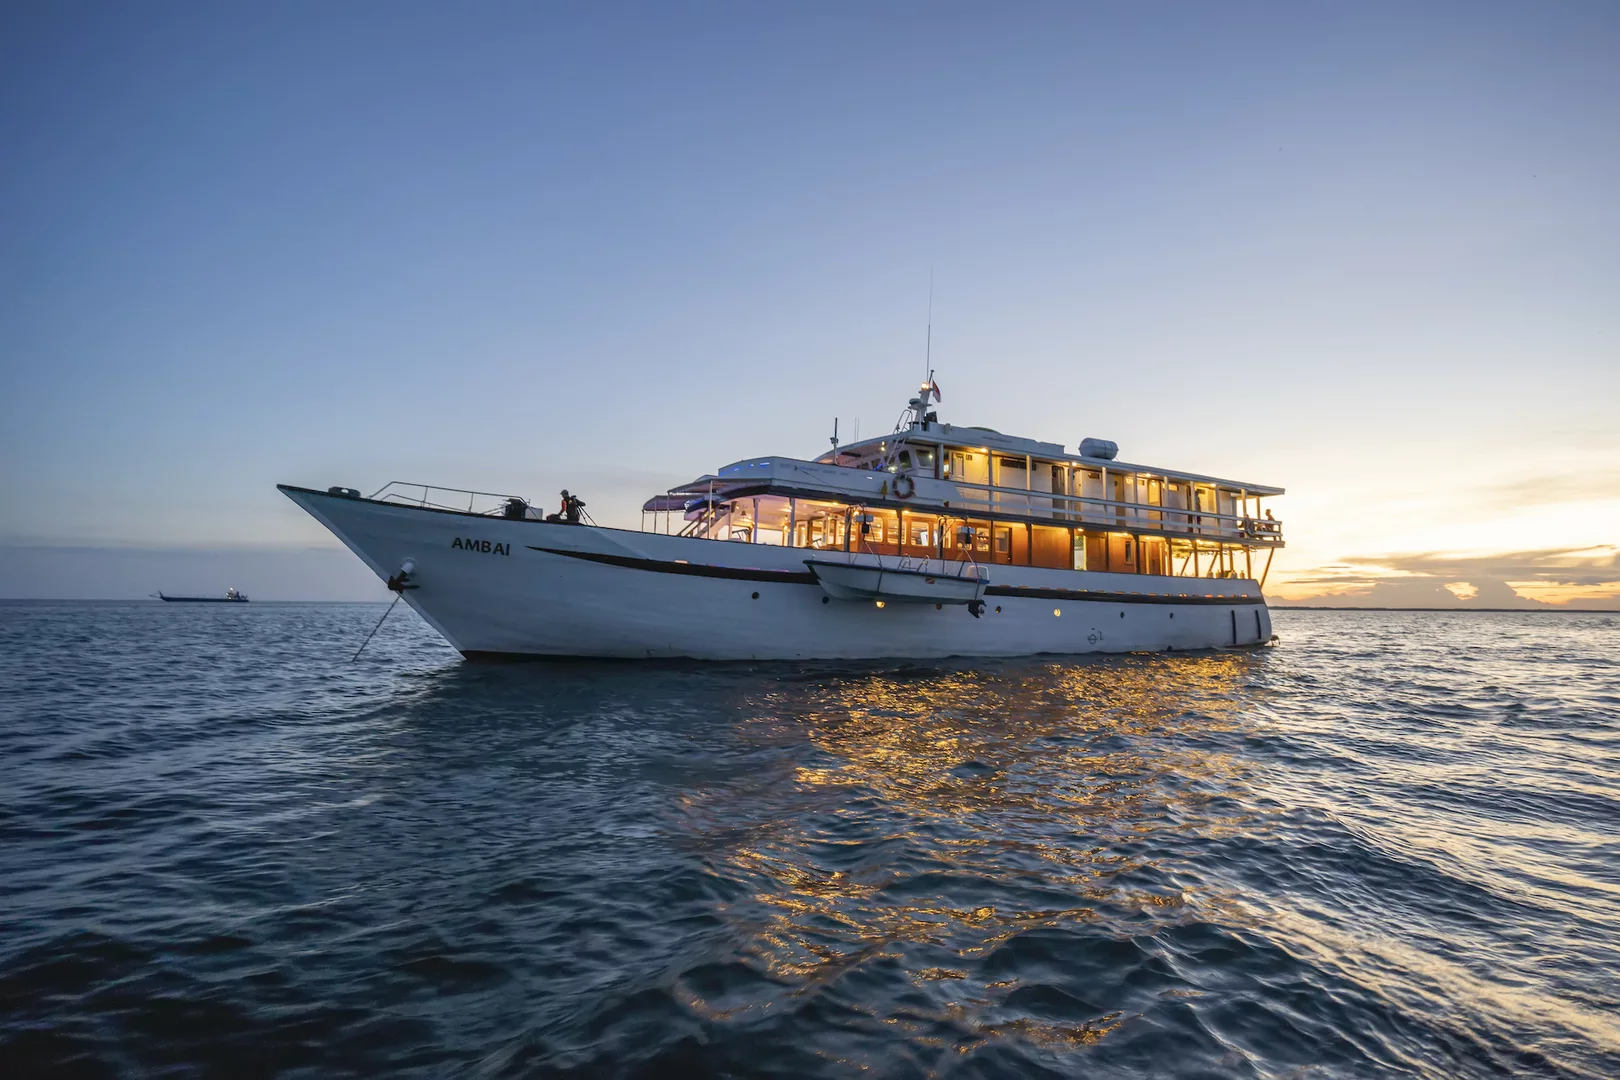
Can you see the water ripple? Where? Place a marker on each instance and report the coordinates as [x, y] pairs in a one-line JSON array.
[[1390, 847]]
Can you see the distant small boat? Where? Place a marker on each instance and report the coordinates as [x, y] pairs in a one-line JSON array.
[[231, 597]]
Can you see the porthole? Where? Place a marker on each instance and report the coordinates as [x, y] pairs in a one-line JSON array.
[[826, 599], [1122, 614], [998, 609], [1057, 611], [756, 596]]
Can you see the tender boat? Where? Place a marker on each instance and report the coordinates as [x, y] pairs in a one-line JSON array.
[[945, 583], [231, 597], [935, 540]]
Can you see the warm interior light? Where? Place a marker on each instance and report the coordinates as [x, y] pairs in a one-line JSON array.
[[1057, 611]]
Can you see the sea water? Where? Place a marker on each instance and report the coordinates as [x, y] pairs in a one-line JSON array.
[[1388, 846]]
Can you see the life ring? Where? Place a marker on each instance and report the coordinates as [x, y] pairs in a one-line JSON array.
[[904, 487]]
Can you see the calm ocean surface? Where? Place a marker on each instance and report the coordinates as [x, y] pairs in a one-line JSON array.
[[1388, 847]]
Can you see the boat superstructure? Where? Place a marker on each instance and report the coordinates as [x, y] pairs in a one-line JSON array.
[[934, 540]]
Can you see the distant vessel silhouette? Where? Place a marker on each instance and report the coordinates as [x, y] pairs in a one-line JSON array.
[[231, 597]]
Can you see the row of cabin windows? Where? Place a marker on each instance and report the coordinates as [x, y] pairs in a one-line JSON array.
[[1014, 544], [1148, 491]]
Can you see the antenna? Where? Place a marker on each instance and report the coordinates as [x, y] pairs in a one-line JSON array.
[[834, 439], [928, 348]]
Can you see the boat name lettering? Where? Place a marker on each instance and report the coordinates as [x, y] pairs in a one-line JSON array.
[[484, 546]]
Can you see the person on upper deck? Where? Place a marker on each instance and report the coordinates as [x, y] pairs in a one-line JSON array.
[[569, 512]]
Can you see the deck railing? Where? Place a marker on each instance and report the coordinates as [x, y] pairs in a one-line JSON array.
[[1113, 514], [961, 498], [433, 496]]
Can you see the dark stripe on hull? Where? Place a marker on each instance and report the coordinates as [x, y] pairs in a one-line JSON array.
[[657, 566], [789, 577], [1036, 592]]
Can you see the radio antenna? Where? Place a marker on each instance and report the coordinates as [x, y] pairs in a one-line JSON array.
[[928, 347], [834, 439]]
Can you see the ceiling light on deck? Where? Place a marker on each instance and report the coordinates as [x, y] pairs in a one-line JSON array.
[[1057, 611], [880, 603]]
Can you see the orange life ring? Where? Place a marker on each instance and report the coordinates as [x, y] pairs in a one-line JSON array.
[[908, 490]]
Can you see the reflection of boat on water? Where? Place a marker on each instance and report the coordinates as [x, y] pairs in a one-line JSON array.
[[962, 583], [231, 597], [1050, 551], [988, 817]]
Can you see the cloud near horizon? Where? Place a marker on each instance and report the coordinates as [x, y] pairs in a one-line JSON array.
[[1549, 577]]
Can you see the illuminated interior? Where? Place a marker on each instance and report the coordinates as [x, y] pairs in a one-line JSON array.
[[939, 500]]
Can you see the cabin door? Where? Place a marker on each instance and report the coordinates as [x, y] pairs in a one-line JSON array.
[[1003, 545]]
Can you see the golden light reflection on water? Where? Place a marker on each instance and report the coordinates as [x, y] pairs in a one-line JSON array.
[[936, 816]]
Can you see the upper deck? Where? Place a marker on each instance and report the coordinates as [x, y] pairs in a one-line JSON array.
[[1020, 501], [986, 441]]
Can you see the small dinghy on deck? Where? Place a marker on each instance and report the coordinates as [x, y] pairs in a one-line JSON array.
[[962, 584]]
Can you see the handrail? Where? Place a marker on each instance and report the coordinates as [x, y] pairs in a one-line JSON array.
[[424, 501], [1081, 503], [1089, 510]]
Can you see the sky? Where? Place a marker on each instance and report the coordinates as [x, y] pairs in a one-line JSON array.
[[1370, 253]]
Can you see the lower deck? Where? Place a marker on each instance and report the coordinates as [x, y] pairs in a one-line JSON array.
[[494, 585], [821, 526]]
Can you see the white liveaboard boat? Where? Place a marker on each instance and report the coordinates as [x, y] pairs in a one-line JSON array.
[[937, 540]]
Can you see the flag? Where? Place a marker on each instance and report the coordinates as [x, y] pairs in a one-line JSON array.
[[933, 388]]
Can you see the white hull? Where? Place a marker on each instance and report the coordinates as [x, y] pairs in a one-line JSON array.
[[522, 587]]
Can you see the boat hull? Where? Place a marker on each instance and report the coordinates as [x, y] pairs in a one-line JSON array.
[[500, 587], [202, 599]]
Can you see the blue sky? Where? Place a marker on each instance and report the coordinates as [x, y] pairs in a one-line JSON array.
[[1371, 253]]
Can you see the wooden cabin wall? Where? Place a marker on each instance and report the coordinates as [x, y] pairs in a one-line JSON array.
[[1019, 555], [1052, 548], [1096, 550], [1155, 556], [1122, 553]]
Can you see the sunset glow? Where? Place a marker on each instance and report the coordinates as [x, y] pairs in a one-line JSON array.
[[1369, 255]]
